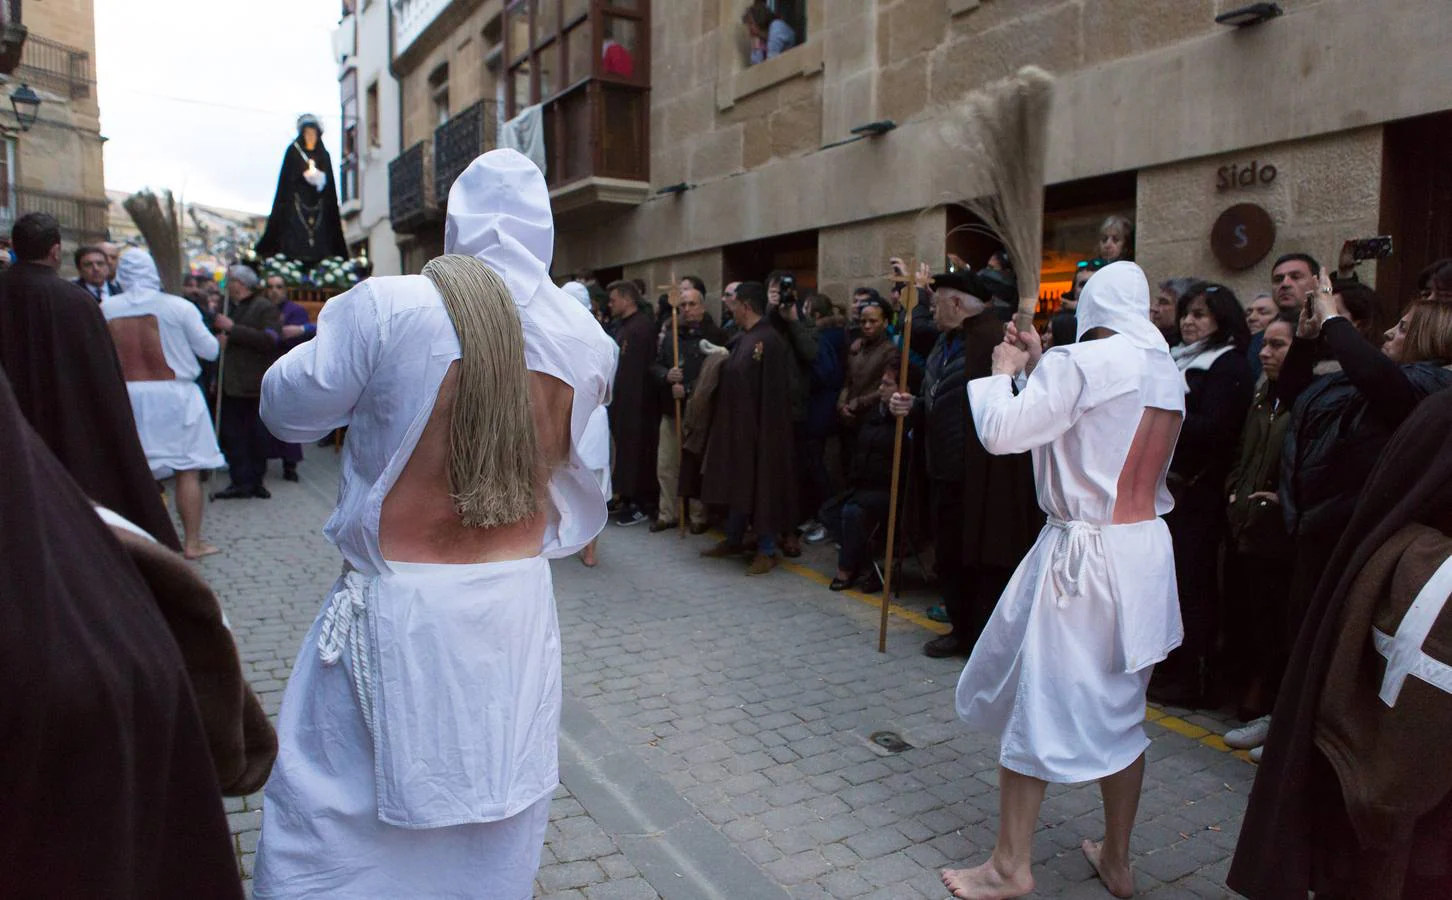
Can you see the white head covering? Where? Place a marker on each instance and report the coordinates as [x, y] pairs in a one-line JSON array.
[[579, 292], [1117, 297], [499, 213], [137, 272]]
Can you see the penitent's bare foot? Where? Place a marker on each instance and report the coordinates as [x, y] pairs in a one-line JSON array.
[[587, 556], [1117, 877], [198, 550], [986, 882]]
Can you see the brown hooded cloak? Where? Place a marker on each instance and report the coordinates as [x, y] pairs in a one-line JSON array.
[[106, 781], [60, 360], [1297, 834]]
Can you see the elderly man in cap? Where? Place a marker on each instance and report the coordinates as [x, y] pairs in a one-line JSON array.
[[975, 554], [251, 328]]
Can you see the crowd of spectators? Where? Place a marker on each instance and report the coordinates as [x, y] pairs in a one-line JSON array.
[[1290, 397]]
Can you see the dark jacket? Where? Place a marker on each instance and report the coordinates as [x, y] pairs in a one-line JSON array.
[[691, 356], [870, 468], [925, 332], [1340, 424], [1257, 527], [940, 412], [1214, 411], [799, 337], [252, 345], [829, 370]]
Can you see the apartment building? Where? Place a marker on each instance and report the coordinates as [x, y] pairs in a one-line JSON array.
[[371, 133], [1227, 143], [50, 153]]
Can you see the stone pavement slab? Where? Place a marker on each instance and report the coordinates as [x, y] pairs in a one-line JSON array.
[[717, 733]]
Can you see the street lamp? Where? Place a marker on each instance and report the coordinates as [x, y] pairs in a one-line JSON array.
[[27, 106], [1254, 14]]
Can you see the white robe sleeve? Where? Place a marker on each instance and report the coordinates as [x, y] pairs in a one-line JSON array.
[[1046, 407], [313, 389], [203, 343]]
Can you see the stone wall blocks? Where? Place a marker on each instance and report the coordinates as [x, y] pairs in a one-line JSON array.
[[902, 92], [715, 155], [1117, 28]]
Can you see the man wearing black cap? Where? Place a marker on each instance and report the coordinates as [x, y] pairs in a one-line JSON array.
[[975, 556]]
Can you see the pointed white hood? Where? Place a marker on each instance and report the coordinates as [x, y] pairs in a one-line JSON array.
[[1117, 297], [499, 213], [137, 272]]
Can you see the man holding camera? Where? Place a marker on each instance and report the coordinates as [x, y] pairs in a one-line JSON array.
[[785, 313], [975, 552]]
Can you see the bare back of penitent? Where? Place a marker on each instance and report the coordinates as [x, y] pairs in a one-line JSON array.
[[1145, 465], [419, 522]]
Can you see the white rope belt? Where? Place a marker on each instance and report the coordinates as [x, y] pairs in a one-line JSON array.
[[345, 626], [1403, 651], [1071, 552]]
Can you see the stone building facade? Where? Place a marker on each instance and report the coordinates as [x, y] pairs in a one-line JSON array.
[[371, 134], [55, 166], [1334, 106]]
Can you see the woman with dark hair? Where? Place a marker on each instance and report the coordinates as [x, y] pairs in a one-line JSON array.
[[1258, 550], [868, 355], [1218, 391]]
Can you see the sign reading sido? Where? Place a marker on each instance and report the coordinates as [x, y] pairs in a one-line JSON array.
[[1235, 176]]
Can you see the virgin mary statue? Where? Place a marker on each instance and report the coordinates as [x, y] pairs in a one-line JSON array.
[[304, 224]]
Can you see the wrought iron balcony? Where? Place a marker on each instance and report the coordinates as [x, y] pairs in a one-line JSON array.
[[411, 205], [57, 67], [82, 219], [459, 142]]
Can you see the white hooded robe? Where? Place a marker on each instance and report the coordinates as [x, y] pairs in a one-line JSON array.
[[1061, 669], [420, 725], [171, 416]]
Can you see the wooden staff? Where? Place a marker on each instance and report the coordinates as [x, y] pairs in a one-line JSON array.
[[909, 301], [221, 370], [674, 298]]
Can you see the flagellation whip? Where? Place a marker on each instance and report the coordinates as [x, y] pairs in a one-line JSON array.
[[1007, 128], [909, 302], [674, 298]]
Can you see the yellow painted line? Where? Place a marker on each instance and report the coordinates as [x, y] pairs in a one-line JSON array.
[[872, 600], [1151, 714]]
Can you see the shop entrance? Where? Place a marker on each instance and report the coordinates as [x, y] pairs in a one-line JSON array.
[[1416, 205]]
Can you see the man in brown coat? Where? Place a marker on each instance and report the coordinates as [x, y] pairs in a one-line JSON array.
[[749, 458], [251, 328]]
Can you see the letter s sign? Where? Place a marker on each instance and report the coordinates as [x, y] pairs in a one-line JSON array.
[[1242, 240]]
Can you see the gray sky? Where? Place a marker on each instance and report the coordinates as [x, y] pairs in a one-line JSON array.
[[205, 102]]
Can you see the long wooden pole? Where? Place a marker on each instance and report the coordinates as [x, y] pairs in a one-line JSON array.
[[680, 448], [910, 300]]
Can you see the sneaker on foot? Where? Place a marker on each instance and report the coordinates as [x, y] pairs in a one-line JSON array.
[[939, 614], [630, 517], [1255, 753], [1251, 734], [815, 535]]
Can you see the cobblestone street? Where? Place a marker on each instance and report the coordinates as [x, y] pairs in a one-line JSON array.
[[717, 731]]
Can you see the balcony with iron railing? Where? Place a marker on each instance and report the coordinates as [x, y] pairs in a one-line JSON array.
[[56, 67], [82, 219], [459, 142], [411, 204]]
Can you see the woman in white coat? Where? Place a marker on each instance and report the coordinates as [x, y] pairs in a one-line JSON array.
[[1061, 670]]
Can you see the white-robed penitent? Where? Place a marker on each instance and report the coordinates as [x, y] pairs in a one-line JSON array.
[[595, 447], [419, 728], [1061, 669], [171, 414]]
